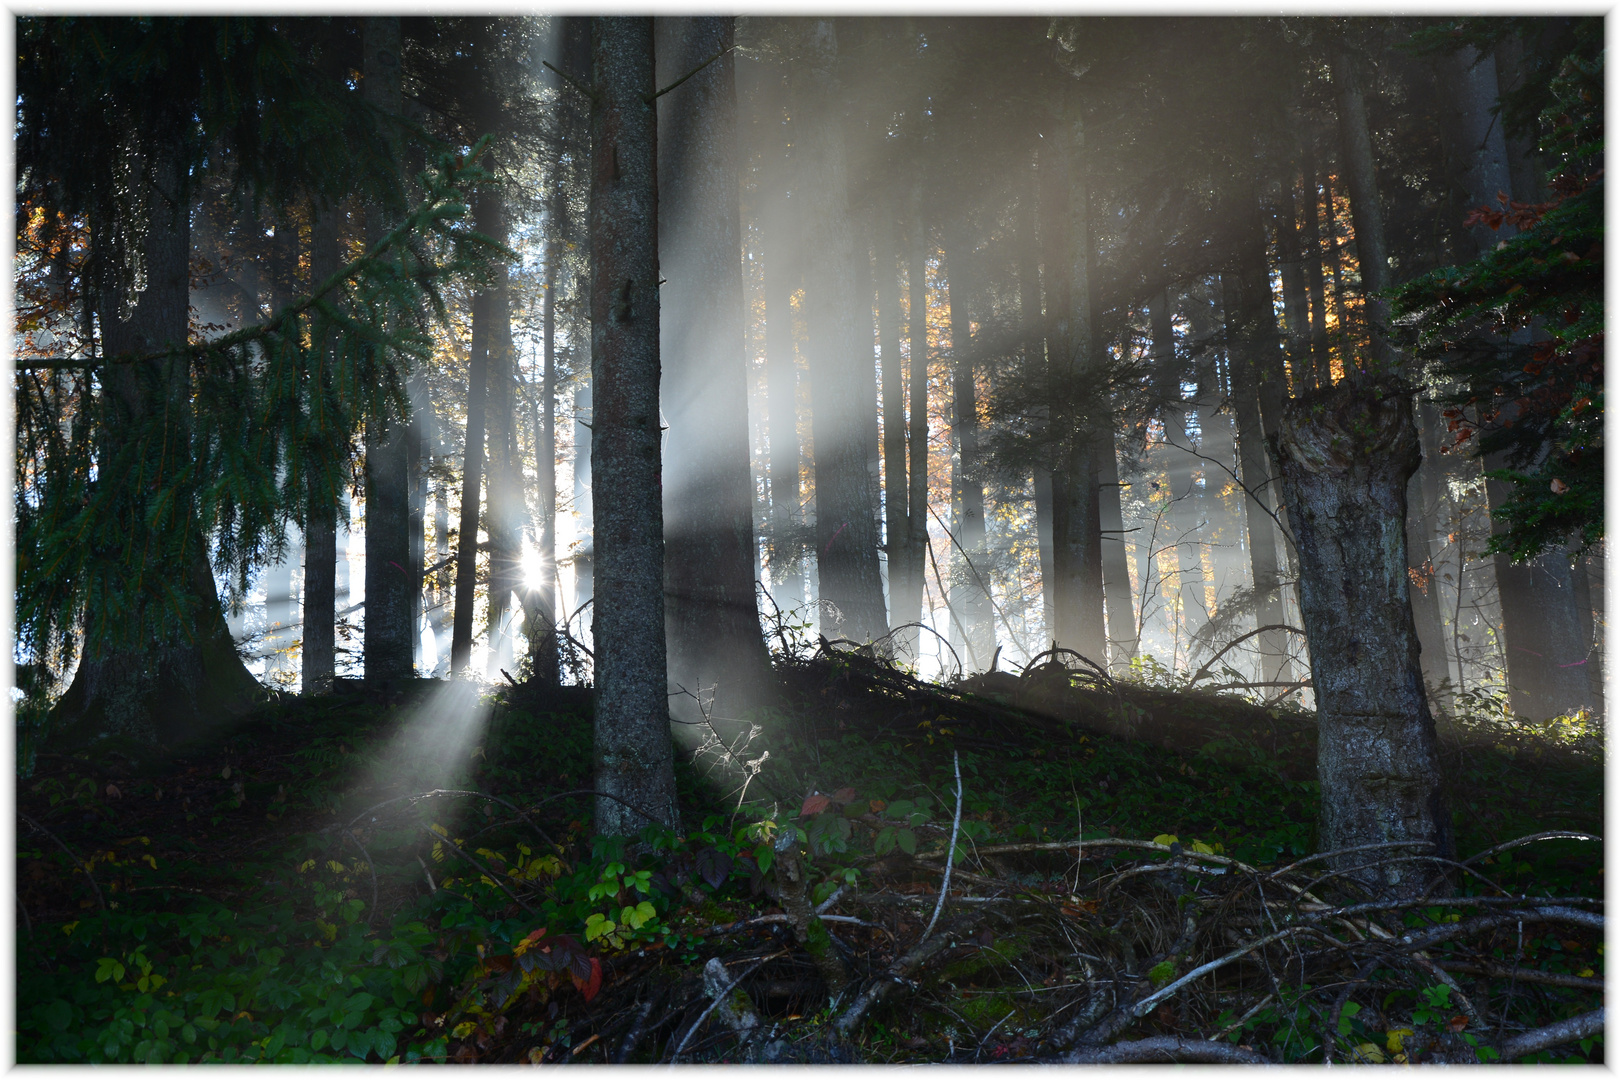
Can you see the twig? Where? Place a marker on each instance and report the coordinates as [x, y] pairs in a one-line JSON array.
[[37, 827], [1244, 1019], [688, 75], [879, 987], [950, 852], [1201, 672], [1531, 839], [482, 869], [570, 80]]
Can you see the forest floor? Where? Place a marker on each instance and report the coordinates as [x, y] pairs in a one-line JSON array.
[[1125, 872]]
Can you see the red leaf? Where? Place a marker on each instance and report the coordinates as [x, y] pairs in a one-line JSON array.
[[844, 795], [589, 986], [814, 805]]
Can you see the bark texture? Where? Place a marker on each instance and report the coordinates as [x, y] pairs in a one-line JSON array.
[[841, 375], [487, 218], [321, 521], [1346, 454], [712, 614], [633, 753], [388, 632], [971, 587]]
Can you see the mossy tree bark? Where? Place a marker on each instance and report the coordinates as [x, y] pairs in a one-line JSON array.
[[1346, 454], [633, 752]]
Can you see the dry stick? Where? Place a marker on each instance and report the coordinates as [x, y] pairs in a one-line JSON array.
[[1463, 1001], [37, 827], [950, 852], [875, 991], [638, 1028], [1523, 974], [945, 598], [718, 998], [1244, 1019], [1164, 1049], [1533, 838], [1564, 1031]]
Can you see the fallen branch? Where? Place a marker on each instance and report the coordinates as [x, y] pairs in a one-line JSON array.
[[1574, 1029], [950, 851], [1169, 1049]]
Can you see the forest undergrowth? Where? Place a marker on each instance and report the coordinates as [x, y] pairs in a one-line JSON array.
[[1047, 867]]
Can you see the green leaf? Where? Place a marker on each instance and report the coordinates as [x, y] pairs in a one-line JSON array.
[[907, 840]]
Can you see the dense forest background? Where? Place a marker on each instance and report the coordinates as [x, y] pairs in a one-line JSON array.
[[1170, 206]]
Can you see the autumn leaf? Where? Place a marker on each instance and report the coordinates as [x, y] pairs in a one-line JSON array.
[[814, 805]]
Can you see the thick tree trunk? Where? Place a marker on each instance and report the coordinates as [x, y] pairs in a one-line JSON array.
[[1186, 519], [1077, 593], [488, 219], [1425, 498], [186, 679], [1032, 325], [971, 581], [1116, 569], [633, 752], [711, 612], [1346, 455], [841, 376], [388, 631], [1366, 210]]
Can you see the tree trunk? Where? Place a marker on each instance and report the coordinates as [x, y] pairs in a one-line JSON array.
[[166, 683], [319, 656], [1077, 593], [633, 752], [1116, 569], [971, 582], [1032, 325], [487, 219], [1346, 454], [388, 585], [917, 433], [712, 614], [905, 592], [779, 233], [1246, 313], [504, 502], [1366, 211], [1540, 619], [1185, 517], [540, 616], [1321, 368], [841, 376]]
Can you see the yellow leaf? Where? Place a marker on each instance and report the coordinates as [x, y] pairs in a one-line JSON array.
[[1393, 1039], [1165, 838], [1200, 846], [306, 865], [463, 1029], [68, 928], [440, 829], [1370, 1052], [150, 860], [334, 866], [1585, 973]]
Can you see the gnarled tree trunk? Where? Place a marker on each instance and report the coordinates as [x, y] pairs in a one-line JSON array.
[[1346, 454]]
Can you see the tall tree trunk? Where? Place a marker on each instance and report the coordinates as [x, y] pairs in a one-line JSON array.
[[165, 683], [388, 584], [1346, 455], [1426, 496], [1032, 326], [917, 432], [540, 616], [1077, 593], [1296, 304], [841, 377], [971, 582], [779, 237], [712, 614], [488, 219], [1116, 570], [1186, 517], [633, 753], [1246, 313], [320, 521], [904, 599], [1366, 211], [1540, 617], [1321, 368], [504, 502]]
